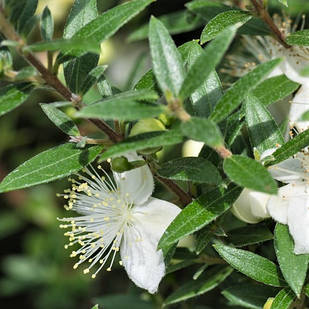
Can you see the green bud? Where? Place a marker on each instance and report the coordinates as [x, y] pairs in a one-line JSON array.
[[268, 303], [121, 164]]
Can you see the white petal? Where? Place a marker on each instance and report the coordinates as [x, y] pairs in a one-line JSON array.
[[143, 263], [298, 221], [192, 148], [135, 185], [250, 206], [299, 105]]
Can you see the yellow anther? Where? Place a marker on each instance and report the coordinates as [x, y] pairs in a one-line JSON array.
[[86, 271], [93, 276], [108, 269], [66, 197], [66, 246], [73, 254], [75, 266], [106, 218], [101, 261], [120, 263]]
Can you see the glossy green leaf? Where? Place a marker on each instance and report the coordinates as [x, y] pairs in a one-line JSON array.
[[47, 25], [147, 81], [198, 170], [274, 89], [290, 148], [203, 130], [194, 288], [206, 62], [221, 22], [178, 266], [12, 96], [252, 265], [249, 235], [248, 295], [249, 173], [283, 299], [293, 267], [205, 97], [199, 213], [263, 130], [49, 165], [203, 238], [299, 38], [238, 91], [143, 141], [175, 22], [166, 59], [60, 119]]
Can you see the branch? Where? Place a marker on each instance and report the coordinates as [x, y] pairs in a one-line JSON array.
[[263, 13], [52, 80]]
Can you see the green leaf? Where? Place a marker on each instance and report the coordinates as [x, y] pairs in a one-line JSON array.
[[248, 295], [203, 130], [175, 22], [291, 147], [293, 267], [197, 170], [263, 130], [223, 21], [54, 163], [12, 96], [283, 299], [199, 213], [235, 95], [252, 265], [284, 2], [95, 307], [299, 38], [166, 59], [203, 238], [147, 81], [206, 62], [249, 235], [60, 119], [178, 266], [249, 173], [205, 97], [137, 71], [274, 89], [47, 25], [194, 288], [143, 141]]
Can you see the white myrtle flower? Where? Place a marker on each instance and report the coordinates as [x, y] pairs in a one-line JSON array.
[[119, 216]]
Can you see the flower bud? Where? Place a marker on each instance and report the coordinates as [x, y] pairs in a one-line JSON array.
[[121, 164], [250, 206]]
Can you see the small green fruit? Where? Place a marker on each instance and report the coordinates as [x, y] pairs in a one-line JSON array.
[[121, 164]]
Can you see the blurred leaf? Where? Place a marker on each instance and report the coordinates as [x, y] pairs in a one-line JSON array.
[[175, 22], [178, 266], [249, 235], [249, 173], [274, 89], [123, 301], [194, 288], [252, 265], [49, 165], [137, 70], [205, 97], [12, 96], [293, 267], [166, 59], [9, 223], [200, 271], [263, 130], [206, 62], [47, 25], [142, 141], [202, 211], [283, 299], [222, 21], [147, 81], [285, 2], [204, 130], [193, 169], [299, 38], [291, 147], [95, 307], [237, 92], [248, 295], [60, 119]]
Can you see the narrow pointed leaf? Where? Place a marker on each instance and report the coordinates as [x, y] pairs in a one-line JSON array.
[[47, 25], [283, 299], [293, 267], [205, 64], [300, 38], [238, 91], [251, 265], [199, 213], [49, 165], [166, 59]]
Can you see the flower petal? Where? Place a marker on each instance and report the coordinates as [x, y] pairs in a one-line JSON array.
[[140, 257], [135, 185], [250, 206]]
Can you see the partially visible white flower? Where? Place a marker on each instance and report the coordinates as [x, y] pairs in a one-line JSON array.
[[251, 207], [120, 216], [192, 148]]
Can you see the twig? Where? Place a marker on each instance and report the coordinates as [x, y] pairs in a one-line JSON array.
[[263, 13], [52, 80]]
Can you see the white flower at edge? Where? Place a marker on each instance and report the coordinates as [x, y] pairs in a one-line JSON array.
[[119, 217]]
